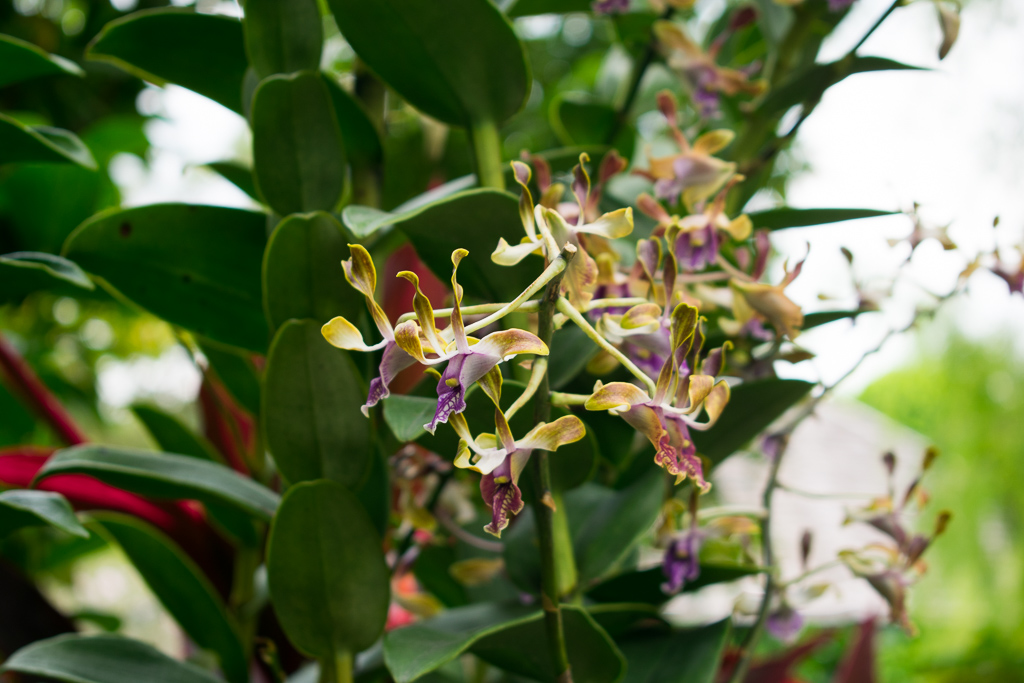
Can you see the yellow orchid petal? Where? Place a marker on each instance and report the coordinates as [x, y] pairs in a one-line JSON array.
[[640, 316], [424, 313], [613, 225], [713, 141], [507, 255], [616, 395], [407, 336], [549, 436], [343, 334], [505, 343], [740, 227], [700, 387]]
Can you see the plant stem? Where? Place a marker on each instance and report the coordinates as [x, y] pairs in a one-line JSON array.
[[874, 27], [634, 87], [37, 396], [560, 399], [337, 669], [565, 307], [544, 512], [487, 150], [537, 376]]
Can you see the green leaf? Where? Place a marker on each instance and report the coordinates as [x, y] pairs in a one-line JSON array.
[[406, 415], [312, 396], [22, 61], [473, 220], [282, 36], [682, 656], [786, 217], [193, 266], [237, 372], [182, 589], [510, 636], [42, 268], [523, 649], [524, 8], [202, 52], [42, 144], [302, 273], [644, 585], [810, 84], [299, 160], [459, 62], [824, 317], [606, 524], [20, 508], [432, 571], [236, 174], [172, 436], [101, 659], [752, 407], [577, 120], [163, 475], [326, 570], [571, 350], [362, 142]]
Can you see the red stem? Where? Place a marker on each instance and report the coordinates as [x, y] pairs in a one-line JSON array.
[[33, 392]]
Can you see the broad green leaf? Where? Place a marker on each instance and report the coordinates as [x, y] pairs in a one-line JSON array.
[[42, 144], [193, 266], [302, 273], [375, 492], [524, 8], [604, 525], [786, 217], [824, 317], [472, 220], [510, 636], [183, 590], [172, 436], [459, 62], [101, 659], [406, 415], [282, 36], [236, 370], [571, 350], [22, 61], [432, 571], [682, 656], [39, 269], [810, 84], [202, 52], [577, 120], [523, 649], [752, 407], [312, 394], [362, 142], [364, 221], [619, 618], [644, 585], [20, 508], [237, 175], [326, 570], [299, 159], [164, 475]]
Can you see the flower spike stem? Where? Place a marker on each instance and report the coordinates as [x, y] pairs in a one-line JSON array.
[[543, 512], [537, 375], [565, 307], [337, 669], [551, 274], [34, 393], [560, 399]]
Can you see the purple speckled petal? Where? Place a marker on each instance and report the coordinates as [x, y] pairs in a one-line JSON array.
[[392, 362], [682, 561], [501, 494], [451, 393]]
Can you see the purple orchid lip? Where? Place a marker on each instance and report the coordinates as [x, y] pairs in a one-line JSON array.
[[681, 564]]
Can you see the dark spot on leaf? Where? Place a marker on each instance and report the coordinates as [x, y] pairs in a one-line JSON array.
[[186, 278], [125, 229]]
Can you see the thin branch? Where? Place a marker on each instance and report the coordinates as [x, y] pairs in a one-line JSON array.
[[537, 375], [25, 383]]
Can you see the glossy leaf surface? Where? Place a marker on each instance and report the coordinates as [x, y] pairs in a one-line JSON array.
[[33, 269], [21, 143], [302, 273], [23, 61], [202, 52], [172, 436], [459, 62], [183, 590], [282, 36], [683, 656], [326, 570], [299, 160], [101, 659], [20, 508], [312, 395], [194, 266], [164, 475], [786, 217]]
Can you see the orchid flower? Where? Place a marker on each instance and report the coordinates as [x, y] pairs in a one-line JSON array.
[[752, 300], [659, 418], [694, 240], [501, 459], [707, 80], [546, 229], [468, 359], [361, 274]]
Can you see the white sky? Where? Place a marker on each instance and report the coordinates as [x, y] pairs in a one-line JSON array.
[[951, 139]]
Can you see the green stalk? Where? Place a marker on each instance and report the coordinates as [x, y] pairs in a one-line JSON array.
[[557, 565], [337, 669], [487, 150]]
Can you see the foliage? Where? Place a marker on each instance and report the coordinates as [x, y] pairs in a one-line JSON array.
[[630, 324]]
